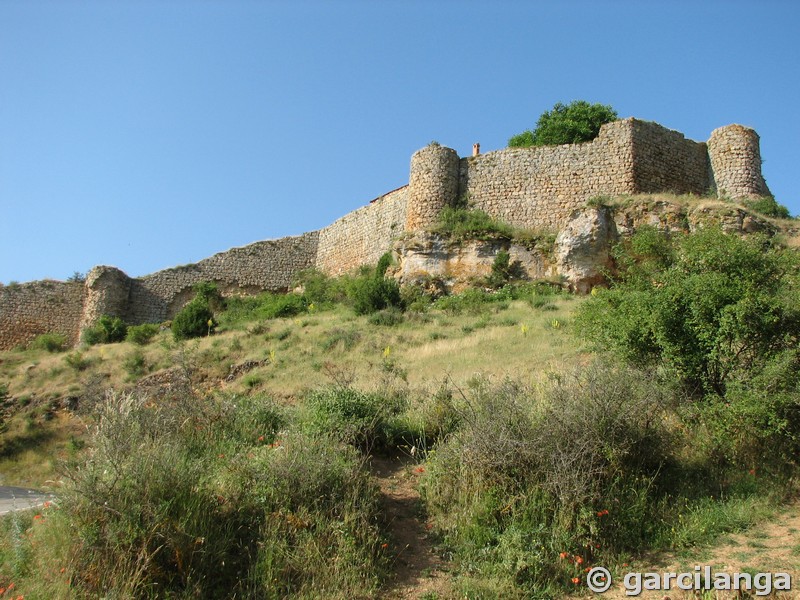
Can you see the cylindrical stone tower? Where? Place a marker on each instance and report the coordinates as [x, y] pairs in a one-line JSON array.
[[736, 162], [432, 185], [107, 293]]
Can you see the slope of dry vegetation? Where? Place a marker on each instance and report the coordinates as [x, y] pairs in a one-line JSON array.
[[539, 433]]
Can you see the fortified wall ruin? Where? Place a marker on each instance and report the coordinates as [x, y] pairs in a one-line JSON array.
[[537, 187]]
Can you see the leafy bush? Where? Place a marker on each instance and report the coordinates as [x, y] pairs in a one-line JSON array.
[[465, 223], [711, 309], [76, 360], [768, 206], [526, 477], [371, 294], [573, 123], [364, 420], [201, 498], [142, 334], [503, 270], [210, 294], [319, 288], [756, 426], [267, 305], [370, 291], [107, 330], [273, 306], [135, 365], [50, 342], [194, 320]]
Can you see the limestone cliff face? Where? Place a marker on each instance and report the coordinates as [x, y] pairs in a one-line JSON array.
[[581, 256], [675, 216], [426, 256], [583, 248]]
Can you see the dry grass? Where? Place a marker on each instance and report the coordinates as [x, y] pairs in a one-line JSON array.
[[296, 355]]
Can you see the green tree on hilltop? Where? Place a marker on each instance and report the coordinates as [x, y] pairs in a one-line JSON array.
[[573, 123]]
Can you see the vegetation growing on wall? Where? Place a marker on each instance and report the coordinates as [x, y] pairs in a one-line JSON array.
[[466, 223], [572, 123]]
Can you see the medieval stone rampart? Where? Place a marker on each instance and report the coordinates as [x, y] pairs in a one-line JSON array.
[[362, 236], [665, 161], [269, 265], [30, 309], [525, 187], [542, 186]]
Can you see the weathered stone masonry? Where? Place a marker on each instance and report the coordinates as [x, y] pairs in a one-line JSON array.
[[525, 187], [30, 309], [362, 236]]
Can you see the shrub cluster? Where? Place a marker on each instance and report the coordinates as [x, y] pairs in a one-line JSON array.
[[527, 476], [711, 308], [364, 420], [196, 319], [372, 291], [50, 342], [107, 330], [717, 314], [769, 206], [142, 334], [189, 497], [467, 223]]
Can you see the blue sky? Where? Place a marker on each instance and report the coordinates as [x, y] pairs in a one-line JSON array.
[[150, 134]]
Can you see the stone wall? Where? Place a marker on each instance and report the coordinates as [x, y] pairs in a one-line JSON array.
[[30, 309], [270, 265], [542, 186], [665, 161], [362, 236], [524, 187]]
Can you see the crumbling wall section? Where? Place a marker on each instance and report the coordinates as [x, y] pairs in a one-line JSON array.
[[107, 293], [269, 265]]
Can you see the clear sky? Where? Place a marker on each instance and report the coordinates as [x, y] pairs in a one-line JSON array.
[[150, 134]]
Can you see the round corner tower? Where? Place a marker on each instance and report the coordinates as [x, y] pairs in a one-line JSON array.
[[432, 185], [107, 292], [736, 162]]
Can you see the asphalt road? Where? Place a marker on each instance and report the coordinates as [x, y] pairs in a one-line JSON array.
[[12, 498]]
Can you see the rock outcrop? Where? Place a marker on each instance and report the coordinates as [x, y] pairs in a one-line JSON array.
[[583, 248], [428, 256]]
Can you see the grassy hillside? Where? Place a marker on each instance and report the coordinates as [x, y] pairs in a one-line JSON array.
[[284, 358], [353, 442]]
